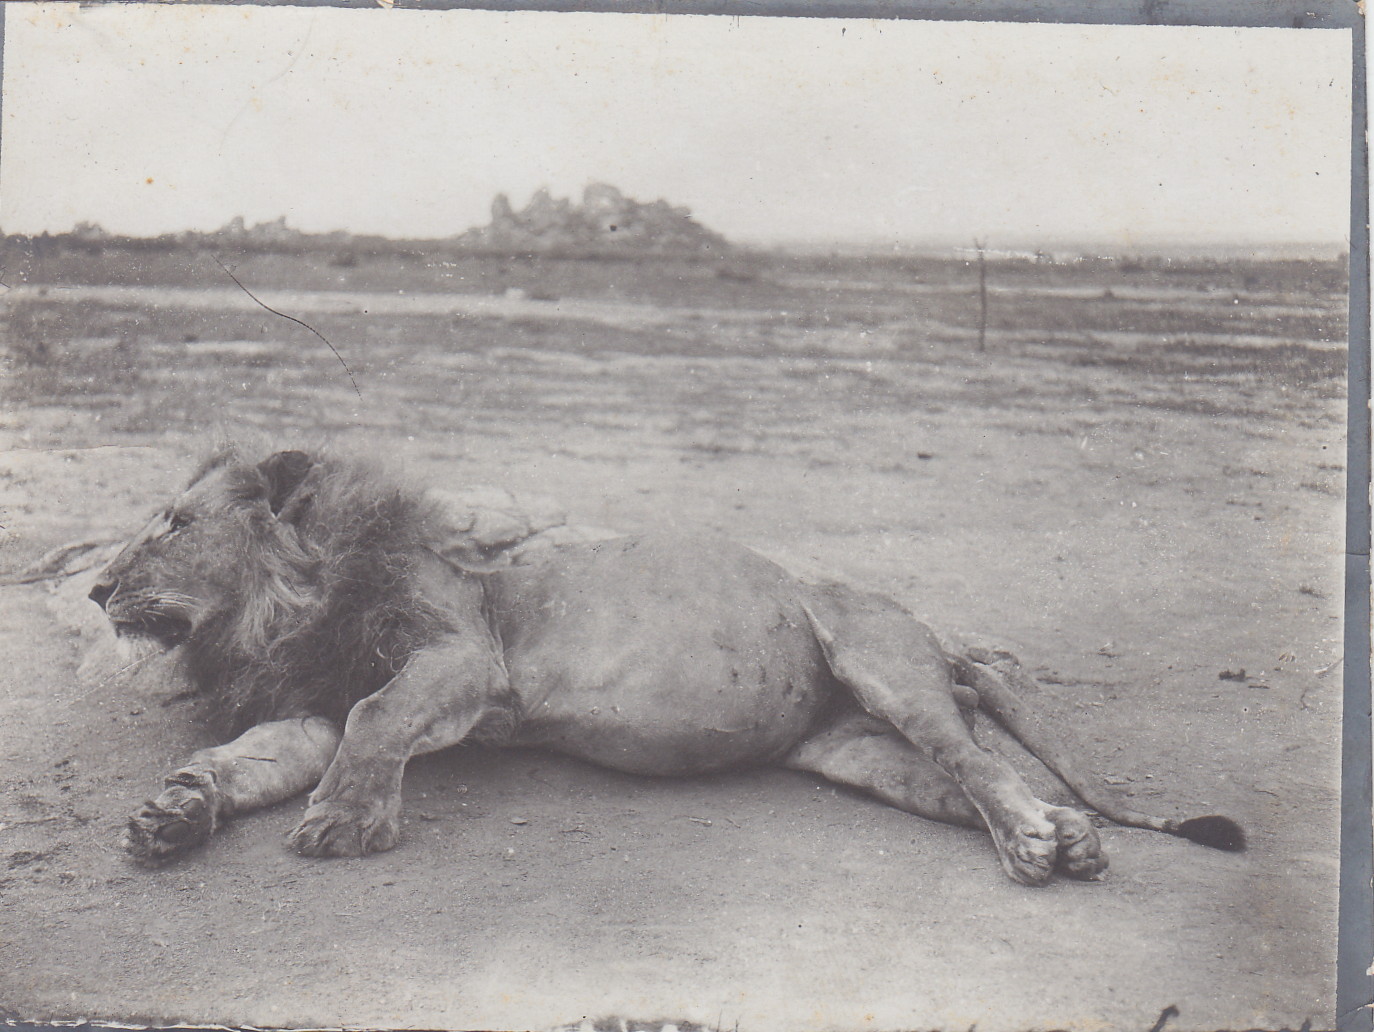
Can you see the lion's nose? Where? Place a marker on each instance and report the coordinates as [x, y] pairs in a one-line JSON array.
[[100, 594]]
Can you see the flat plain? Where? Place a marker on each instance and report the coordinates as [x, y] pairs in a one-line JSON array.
[[1137, 483]]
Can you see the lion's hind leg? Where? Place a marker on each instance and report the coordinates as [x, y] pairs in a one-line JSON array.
[[266, 764], [866, 753], [1002, 685], [896, 670]]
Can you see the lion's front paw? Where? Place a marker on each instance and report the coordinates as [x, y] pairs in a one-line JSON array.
[[342, 828], [183, 816]]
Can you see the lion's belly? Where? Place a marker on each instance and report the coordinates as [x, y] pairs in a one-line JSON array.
[[661, 656]]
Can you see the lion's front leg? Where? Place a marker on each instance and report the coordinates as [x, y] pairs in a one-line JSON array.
[[266, 764], [434, 702]]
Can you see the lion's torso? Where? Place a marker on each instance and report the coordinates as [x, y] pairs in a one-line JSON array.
[[659, 654]]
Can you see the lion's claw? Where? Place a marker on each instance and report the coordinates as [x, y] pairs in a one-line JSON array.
[[340, 828], [184, 815]]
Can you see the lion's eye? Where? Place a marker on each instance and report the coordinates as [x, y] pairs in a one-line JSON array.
[[178, 521]]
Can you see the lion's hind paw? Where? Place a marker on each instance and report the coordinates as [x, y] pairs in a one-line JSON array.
[[178, 819], [1027, 849], [1080, 848], [1055, 839], [341, 828]]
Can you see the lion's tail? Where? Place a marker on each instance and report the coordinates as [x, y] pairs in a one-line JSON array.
[[996, 688]]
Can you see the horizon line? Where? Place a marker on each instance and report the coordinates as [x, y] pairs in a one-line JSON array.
[[1016, 246]]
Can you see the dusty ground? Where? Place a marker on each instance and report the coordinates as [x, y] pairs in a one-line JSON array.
[[1138, 487]]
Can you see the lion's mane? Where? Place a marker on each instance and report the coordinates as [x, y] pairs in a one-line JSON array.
[[324, 611]]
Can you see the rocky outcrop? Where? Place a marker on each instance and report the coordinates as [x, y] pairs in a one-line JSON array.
[[605, 221]]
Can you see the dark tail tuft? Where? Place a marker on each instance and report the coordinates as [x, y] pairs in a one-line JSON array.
[[1214, 831]]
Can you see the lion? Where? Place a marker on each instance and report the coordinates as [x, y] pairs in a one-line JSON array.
[[329, 640]]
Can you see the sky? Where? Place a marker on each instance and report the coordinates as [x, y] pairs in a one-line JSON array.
[[156, 118]]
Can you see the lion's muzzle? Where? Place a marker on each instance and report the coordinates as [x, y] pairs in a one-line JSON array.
[[165, 616], [102, 591]]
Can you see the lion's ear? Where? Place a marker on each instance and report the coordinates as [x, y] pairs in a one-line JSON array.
[[284, 473]]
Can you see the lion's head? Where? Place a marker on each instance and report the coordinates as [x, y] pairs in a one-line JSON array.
[[286, 581], [214, 550]]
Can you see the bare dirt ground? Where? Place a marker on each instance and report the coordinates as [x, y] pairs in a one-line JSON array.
[[1138, 488]]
